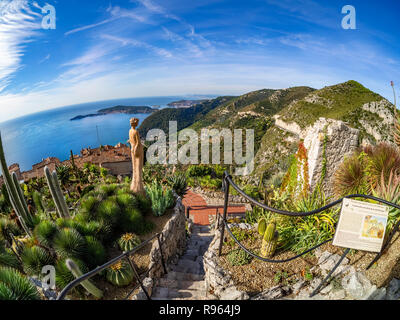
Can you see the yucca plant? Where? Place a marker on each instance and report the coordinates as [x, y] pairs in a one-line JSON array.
[[14, 286], [45, 232], [8, 226], [120, 274], [34, 259], [161, 198], [68, 243], [109, 210], [128, 241], [178, 182]]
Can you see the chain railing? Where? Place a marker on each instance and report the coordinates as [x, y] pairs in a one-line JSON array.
[[227, 182]]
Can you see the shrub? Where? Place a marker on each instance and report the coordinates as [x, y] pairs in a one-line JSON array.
[[128, 242], [34, 259], [68, 243], [132, 221], [120, 274], [14, 286], [161, 198], [238, 257], [45, 232], [109, 210]]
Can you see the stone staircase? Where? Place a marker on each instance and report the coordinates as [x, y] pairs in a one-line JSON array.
[[185, 280]]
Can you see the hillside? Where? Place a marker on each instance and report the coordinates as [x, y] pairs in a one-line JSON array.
[[349, 102], [116, 109], [184, 116]]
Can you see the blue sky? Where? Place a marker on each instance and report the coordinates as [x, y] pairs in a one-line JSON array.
[[106, 49]]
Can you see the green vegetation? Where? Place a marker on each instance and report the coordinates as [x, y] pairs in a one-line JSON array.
[[238, 257], [128, 242], [161, 198], [120, 274]]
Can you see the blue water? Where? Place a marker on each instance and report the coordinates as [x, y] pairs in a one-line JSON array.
[[29, 139]]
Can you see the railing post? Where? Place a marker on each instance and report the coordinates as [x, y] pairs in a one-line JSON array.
[[161, 253], [187, 213], [138, 277], [226, 201]]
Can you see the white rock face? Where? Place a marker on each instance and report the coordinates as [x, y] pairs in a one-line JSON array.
[[292, 127], [382, 109], [342, 140]]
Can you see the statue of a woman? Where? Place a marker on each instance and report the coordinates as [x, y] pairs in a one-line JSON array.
[[137, 158]]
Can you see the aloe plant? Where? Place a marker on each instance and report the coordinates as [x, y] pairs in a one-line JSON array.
[[15, 193], [56, 193]]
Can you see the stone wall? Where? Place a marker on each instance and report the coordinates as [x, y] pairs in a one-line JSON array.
[[174, 244], [120, 168], [218, 281], [342, 140]]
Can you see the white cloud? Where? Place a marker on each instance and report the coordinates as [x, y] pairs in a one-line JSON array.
[[18, 24]]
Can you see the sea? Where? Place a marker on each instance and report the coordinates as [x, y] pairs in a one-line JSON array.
[[30, 139]]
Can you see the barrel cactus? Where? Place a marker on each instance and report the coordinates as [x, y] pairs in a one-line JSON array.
[[128, 241], [120, 274], [270, 240]]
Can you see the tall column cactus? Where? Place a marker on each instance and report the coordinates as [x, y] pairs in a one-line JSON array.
[[56, 193], [15, 193]]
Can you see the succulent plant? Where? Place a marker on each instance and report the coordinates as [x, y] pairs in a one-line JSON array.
[[128, 242], [270, 240], [89, 286], [262, 226], [68, 243], [45, 232], [161, 198], [96, 253], [64, 276], [120, 274], [34, 259], [14, 286]]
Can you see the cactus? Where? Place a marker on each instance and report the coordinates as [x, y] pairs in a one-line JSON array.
[[90, 287], [262, 226], [270, 240], [15, 193], [128, 242], [120, 274], [56, 193]]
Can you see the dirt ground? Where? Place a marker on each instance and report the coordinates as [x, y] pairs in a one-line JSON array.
[[258, 275]]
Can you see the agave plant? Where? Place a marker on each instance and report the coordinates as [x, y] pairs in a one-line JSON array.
[[128, 241], [96, 253], [14, 286], [120, 274]]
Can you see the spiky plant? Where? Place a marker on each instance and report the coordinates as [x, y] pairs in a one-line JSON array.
[[8, 226], [132, 221], [108, 190], [89, 206], [350, 177], [8, 259], [389, 190], [88, 285], [64, 276], [178, 182], [14, 286], [37, 200], [45, 232], [64, 174], [34, 259], [128, 241], [96, 253], [109, 210], [120, 274], [68, 243], [161, 198], [126, 200]]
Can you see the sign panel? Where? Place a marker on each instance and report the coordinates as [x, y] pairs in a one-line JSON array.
[[361, 226]]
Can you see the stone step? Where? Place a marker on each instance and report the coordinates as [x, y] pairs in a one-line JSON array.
[[184, 284], [185, 262], [170, 293], [193, 252], [189, 269], [190, 257], [181, 276]]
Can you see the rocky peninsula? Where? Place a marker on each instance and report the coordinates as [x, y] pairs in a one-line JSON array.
[[117, 109]]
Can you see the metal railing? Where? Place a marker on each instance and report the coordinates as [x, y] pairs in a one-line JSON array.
[[126, 255], [227, 182]]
